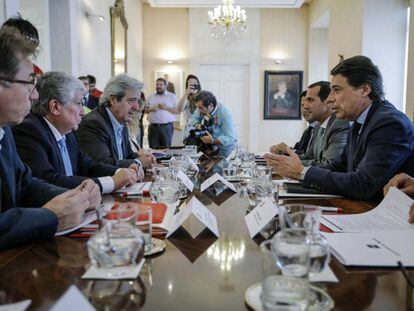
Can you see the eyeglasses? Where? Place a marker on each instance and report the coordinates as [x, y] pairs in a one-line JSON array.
[[132, 100], [32, 81]]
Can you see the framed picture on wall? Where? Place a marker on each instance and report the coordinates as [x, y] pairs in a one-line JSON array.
[[281, 94]]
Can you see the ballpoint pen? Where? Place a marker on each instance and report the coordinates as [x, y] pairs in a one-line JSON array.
[[331, 209]]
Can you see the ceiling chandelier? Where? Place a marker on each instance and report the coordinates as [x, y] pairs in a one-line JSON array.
[[227, 20]]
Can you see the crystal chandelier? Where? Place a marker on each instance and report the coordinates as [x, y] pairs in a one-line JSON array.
[[226, 20]]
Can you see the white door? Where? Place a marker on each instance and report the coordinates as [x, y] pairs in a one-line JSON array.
[[230, 85]]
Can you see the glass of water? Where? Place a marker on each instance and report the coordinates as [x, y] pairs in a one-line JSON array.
[[299, 216], [319, 253], [118, 242], [165, 191], [280, 292], [144, 222], [263, 189]]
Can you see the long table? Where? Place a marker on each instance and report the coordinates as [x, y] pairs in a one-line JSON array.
[[205, 273]]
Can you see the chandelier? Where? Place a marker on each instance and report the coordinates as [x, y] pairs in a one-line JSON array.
[[227, 20]]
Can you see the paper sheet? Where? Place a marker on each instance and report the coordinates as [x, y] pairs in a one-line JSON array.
[[390, 214], [73, 299], [18, 306], [376, 248]]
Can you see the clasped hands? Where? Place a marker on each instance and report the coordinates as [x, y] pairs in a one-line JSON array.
[[285, 161]]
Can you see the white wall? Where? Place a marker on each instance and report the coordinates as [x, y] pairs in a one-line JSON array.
[[384, 42], [133, 13], [318, 55], [284, 35]]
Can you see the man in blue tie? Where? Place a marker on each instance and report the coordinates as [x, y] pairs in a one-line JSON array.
[[380, 142], [31, 209], [103, 133], [47, 143]]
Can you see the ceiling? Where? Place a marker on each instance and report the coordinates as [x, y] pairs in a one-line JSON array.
[[243, 3]]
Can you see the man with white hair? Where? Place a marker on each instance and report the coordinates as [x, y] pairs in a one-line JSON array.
[[47, 143], [103, 133]]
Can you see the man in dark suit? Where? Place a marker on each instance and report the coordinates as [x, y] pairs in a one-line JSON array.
[[380, 142], [31, 209], [88, 100], [47, 144], [103, 133]]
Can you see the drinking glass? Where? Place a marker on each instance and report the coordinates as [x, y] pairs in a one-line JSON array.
[[291, 250], [319, 253], [262, 173], [280, 292], [165, 191], [118, 242], [263, 189], [144, 222], [298, 216]]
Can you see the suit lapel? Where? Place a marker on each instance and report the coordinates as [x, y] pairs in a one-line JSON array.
[[110, 130], [7, 174], [360, 146]]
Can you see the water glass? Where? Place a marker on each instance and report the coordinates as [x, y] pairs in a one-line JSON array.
[[319, 253], [280, 292], [298, 216], [230, 172], [262, 173], [292, 252], [165, 191], [118, 242], [144, 222], [263, 189]]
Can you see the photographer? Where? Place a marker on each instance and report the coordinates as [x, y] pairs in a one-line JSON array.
[[211, 127], [187, 102]]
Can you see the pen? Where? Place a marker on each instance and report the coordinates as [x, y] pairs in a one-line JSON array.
[[331, 209], [131, 194]]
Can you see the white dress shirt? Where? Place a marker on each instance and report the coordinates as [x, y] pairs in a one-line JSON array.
[[161, 116]]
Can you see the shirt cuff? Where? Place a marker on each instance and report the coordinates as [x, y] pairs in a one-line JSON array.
[[107, 184], [303, 173], [138, 162]]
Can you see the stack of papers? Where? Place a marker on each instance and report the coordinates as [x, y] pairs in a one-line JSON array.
[[378, 238]]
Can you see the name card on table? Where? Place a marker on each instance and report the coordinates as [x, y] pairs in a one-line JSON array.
[[216, 177], [260, 216], [185, 180], [196, 216], [193, 165], [73, 299]]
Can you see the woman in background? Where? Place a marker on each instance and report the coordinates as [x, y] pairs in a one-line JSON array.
[[187, 102]]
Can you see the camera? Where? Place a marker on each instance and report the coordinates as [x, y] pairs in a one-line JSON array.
[[195, 87], [202, 129]]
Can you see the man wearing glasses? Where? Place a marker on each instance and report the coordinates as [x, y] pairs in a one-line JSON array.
[[103, 133], [31, 209]]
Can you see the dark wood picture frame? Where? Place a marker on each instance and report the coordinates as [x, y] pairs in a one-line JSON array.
[[282, 91]]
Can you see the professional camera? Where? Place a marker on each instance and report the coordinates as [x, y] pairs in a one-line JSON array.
[[202, 129]]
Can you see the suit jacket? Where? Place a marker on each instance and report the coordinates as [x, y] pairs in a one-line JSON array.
[[336, 134], [38, 148], [93, 102], [19, 188], [301, 146], [97, 138], [385, 148], [308, 152]]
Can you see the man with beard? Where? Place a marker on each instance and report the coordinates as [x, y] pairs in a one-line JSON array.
[[161, 109]]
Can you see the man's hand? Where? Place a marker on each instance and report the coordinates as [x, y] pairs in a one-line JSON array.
[[146, 158], [138, 171], [403, 182], [286, 166], [207, 139], [125, 177], [69, 207], [281, 148], [161, 106], [94, 198]]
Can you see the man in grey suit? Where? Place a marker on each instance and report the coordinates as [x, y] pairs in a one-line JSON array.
[[330, 139], [380, 143], [103, 132], [31, 209]]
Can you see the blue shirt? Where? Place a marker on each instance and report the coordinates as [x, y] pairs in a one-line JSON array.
[[222, 129], [118, 128]]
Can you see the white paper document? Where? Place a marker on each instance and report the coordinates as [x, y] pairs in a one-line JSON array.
[[18, 306], [200, 211], [185, 180], [73, 299], [216, 177], [260, 216], [116, 273], [136, 189], [376, 248], [390, 214]]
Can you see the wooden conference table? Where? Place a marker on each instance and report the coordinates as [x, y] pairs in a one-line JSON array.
[[202, 274]]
